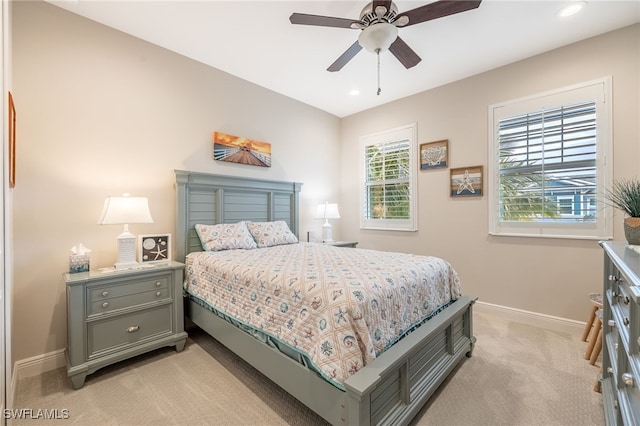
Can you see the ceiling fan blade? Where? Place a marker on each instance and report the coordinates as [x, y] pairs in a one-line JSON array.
[[404, 53], [345, 57], [322, 21], [438, 9]]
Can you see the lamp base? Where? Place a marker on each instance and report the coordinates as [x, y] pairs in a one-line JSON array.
[[126, 252], [326, 233]]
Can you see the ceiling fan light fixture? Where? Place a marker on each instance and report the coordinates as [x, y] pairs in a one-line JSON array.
[[378, 37]]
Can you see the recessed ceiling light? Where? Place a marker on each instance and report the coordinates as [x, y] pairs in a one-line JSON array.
[[572, 9], [354, 92]]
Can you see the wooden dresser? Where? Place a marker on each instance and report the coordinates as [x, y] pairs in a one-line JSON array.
[[621, 334]]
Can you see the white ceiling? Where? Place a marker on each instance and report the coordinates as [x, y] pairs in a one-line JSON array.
[[255, 41]]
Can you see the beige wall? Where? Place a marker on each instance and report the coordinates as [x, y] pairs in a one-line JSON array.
[[549, 276], [101, 113]]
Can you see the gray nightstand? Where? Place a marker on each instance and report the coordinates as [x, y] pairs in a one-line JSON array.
[[114, 315], [351, 244]]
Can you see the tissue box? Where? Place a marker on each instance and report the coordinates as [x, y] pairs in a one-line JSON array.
[[78, 263]]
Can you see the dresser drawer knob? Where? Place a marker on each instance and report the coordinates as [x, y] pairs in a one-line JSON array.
[[613, 278], [105, 304], [105, 293], [158, 293], [627, 378], [610, 371], [626, 300], [133, 329], [611, 323], [158, 284], [626, 321]]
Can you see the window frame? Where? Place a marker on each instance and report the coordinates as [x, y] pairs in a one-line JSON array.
[[602, 228], [408, 133]]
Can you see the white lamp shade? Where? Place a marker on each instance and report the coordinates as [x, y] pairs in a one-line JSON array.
[[378, 36], [125, 209], [327, 211]]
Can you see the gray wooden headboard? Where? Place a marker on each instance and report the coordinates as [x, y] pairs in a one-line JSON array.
[[212, 199]]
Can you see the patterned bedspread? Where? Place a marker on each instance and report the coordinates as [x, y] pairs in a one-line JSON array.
[[340, 307]]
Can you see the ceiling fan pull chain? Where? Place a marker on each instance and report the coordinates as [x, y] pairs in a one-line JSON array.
[[378, 54]]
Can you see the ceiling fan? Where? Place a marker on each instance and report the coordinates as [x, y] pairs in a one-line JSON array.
[[379, 22]]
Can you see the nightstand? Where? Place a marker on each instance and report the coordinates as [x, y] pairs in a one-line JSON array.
[[115, 315], [351, 244]]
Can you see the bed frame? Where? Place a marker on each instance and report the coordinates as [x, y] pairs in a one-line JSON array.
[[389, 390]]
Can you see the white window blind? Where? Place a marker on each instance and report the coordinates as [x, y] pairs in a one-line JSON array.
[[549, 163], [388, 180]]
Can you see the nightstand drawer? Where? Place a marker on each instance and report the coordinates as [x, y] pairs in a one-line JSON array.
[[124, 288], [127, 330], [114, 303]]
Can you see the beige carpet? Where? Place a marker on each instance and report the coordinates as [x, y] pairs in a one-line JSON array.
[[518, 375]]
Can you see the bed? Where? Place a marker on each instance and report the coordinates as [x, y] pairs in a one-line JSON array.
[[396, 380]]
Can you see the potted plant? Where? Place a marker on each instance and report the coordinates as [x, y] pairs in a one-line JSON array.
[[625, 196]]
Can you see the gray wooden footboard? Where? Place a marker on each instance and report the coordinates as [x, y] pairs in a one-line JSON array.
[[389, 390], [393, 388]]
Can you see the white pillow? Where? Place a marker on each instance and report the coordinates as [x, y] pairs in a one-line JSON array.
[[225, 236], [269, 234]]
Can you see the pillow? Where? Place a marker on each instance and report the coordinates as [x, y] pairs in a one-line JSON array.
[[225, 236], [269, 234]]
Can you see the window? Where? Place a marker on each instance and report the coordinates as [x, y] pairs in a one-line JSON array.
[[548, 163], [389, 180]]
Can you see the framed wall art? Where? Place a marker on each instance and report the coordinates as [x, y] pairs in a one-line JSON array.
[[434, 155], [466, 181], [12, 142], [235, 149], [154, 248]]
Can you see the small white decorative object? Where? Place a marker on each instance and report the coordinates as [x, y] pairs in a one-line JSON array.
[[79, 259]]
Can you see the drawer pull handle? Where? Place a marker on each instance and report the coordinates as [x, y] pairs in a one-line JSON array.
[[158, 284], [627, 378], [626, 321], [626, 300], [613, 278], [105, 304], [611, 323], [105, 293], [158, 293], [133, 329], [610, 370]]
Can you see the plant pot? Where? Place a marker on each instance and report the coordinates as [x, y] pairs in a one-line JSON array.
[[632, 230]]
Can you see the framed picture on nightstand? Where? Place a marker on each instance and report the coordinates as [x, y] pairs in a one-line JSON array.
[[154, 248]]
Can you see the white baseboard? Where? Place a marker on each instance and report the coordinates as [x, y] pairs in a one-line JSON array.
[[11, 392], [50, 361], [535, 319], [37, 365]]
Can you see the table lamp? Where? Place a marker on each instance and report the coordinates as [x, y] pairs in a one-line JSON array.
[[125, 210], [327, 211]]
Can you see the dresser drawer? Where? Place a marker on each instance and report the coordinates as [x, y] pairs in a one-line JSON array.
[[621, 302], [629, 395], [114, 303], [127, 330], [125, 288]]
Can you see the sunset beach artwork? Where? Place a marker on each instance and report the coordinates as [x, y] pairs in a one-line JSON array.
[[235, 149]]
